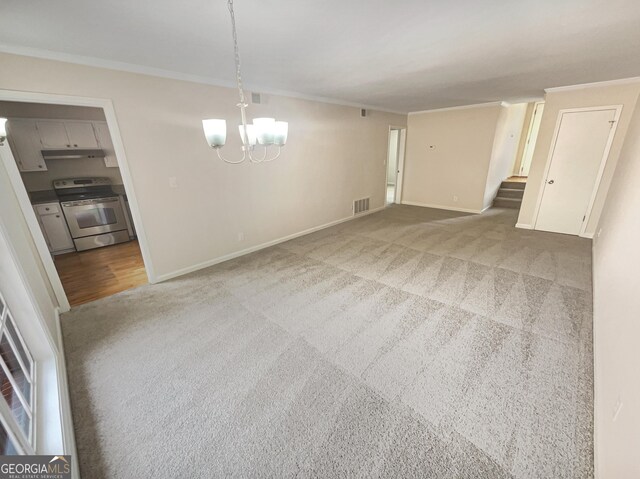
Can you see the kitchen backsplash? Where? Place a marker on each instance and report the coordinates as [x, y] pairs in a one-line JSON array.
[[58, 169]]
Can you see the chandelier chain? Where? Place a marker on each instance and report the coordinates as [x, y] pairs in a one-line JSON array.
[[236, 52], [247, 144]]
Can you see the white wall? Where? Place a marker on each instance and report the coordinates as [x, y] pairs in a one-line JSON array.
[[616, 278], [448, 154], [19, 237], [625, 94], [392, 157], [523, 138], [509, 130], [333, 157], [35, 318]]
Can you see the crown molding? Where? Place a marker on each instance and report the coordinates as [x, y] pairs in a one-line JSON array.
[[528, 99], [621, 81], [461, 107], [174, 75]]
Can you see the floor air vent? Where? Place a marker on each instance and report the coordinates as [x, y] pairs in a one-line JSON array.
[[360, 206]]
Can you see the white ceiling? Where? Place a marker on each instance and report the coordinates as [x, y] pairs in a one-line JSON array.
[[407, 55]]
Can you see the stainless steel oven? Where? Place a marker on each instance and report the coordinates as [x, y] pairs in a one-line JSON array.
[[94, 217], [93, 212]]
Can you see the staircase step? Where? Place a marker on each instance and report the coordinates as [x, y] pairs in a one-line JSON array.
[[513, 185], [510, 193], [507, 202]]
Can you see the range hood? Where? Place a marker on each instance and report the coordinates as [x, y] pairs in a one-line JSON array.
[[72, 154]]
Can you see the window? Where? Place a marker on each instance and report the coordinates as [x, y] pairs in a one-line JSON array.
[[17, 386]]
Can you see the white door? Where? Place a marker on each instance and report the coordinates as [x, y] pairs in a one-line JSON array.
[[531, 140], [81, 134], [581, 146], [53, 134], [392, 165]]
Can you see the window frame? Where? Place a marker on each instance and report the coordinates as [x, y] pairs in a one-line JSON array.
[[24, 443]]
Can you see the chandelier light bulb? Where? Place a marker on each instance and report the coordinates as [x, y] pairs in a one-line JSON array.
[[265, 129], [281, 131], [215, 131]]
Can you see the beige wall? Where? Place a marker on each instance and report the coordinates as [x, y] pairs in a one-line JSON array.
[[458, 163], [333, 157], [616, 278], [604, 95], [509, 129]]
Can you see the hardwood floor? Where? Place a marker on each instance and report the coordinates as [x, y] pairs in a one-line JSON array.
[[94, 274]]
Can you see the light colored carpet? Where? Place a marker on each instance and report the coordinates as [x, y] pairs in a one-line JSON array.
[[409, 343]]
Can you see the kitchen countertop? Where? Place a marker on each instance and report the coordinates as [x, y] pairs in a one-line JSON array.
[[119, 190], [44, 196], [49, 196]]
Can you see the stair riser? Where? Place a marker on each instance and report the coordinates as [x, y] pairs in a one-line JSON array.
[[504, 193], [513, 185], [500, 203]]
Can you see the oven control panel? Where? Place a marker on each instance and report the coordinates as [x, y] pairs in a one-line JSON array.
[[80, 182], [95, 201]]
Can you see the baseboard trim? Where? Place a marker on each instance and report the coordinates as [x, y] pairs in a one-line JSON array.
[[524, 226], [587, 235], [68, 433], [253, 249], [440, 207]]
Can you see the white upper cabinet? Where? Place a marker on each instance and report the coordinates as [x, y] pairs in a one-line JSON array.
[[57, 134], [27, 137], [25, 145], [53, 134], [104, 140], [80, 134]]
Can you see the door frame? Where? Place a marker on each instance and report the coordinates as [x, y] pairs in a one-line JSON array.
[[527, 145], [23, 197], [402, 140], [603, 161]]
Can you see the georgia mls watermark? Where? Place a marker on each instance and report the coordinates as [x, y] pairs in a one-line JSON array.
[[35, 467]]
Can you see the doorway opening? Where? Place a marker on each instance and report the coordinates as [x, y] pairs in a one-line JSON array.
[[65, 163], [394, 164], [530, 142]]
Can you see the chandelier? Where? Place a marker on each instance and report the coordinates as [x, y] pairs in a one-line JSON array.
[[265, 132]]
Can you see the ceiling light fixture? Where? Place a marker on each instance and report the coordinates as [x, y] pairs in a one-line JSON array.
[[3, 130], [264, 131]]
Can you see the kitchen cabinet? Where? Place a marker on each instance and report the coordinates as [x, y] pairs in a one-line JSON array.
[[81, 134], [104, 141], [54, 228], [25, 145], [52, 134], [59, 134]]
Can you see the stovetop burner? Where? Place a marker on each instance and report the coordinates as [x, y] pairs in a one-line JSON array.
[[74, 189]]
